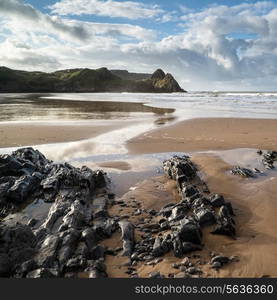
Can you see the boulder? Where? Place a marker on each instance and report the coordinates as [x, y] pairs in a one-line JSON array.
[[189, 231]]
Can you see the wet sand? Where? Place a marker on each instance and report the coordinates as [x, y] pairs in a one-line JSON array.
[[25, 134], [255, 207], [208, 134]]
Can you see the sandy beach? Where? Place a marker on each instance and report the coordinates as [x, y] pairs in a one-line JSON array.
[[208, 134], [253, 200], [25, 134]]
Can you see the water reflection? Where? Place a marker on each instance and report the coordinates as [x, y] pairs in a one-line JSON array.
[[31, 107]]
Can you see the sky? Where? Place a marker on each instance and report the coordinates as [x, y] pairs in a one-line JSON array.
[[205, 44]]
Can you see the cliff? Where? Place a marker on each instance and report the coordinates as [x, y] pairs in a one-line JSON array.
[[86, 80]]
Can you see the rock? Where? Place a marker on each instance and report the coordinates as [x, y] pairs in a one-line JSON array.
[[221, 259], [217, 200], [97, 252], [26, 267], [22, 187], [18, 242], [128, 237], [189, 247], [75, 264], [161, 247], [32, 222], [216, 265], [69, 242], [205, 216], [180, 167], [155, 275], [47, 254], [229, 207], [99, 208], [178, 212], [153, 212], [177, 247], [189, 231], [185, 261], [104, 228], [189, 191], [175, 265], [167, 210], [193, 271], [42, 273], [90, 237], [244, 172], [225, 228], [165, 225]]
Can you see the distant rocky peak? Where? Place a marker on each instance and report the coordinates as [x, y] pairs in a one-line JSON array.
[[158, 74]]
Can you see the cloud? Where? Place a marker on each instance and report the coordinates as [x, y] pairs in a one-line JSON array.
[[21, 13], [24, 12], [219, 47], [109, 8]]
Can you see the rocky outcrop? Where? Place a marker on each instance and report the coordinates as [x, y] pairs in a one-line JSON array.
[[165, 82], [86, 80], [65, 242]]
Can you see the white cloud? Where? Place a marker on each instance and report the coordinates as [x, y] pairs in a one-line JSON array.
[[109, 8], [219, 47]]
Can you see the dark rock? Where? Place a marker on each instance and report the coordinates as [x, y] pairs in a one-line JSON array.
[[17, 242], [75, 264], [90, 237], [178, 212], [244, 172], [47, 254], [32, 222], [189, 247], [193, 271], [69, 241], [189, 231], [221, 259], [178, 247], [97, 252], [205, 216], [225, 228], [179, 166], [26, 267], [229, 207], [216, 265], [104, 228], [161, 247], [42, 273], [155, 275], [217, 200], [189, 191]]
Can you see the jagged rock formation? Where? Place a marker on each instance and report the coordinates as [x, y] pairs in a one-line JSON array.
[[66, 241], [86, 80]]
